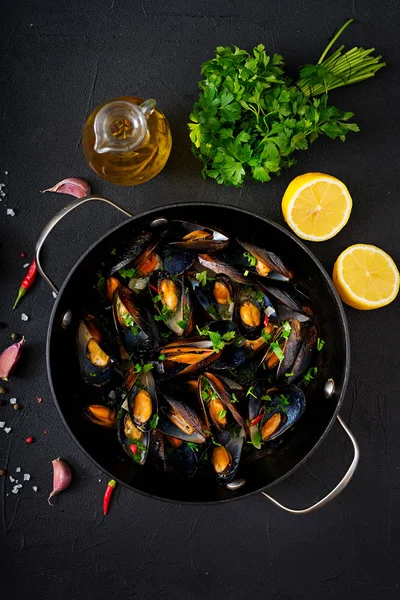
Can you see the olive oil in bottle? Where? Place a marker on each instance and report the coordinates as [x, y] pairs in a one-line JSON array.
[[126, 140]]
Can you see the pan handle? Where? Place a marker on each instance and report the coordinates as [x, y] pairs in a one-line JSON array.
[[340, 486], [53, 222]]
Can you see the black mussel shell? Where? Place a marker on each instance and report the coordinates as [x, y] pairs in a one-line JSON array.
[[225, 459], [291, 302], [95, 365], [184, 460], [267, 264], [142, 401], [131, 250], [305, 355], [287, 401], [211, 385], [291, 348], [176, 262], [170, 293], [179, 420], [197, 238], [218, 265], [134, 442], [185, 357]]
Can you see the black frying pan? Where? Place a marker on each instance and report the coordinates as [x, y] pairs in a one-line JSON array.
[[324, 397]]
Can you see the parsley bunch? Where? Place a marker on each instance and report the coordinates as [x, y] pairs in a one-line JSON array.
[[250, 118]]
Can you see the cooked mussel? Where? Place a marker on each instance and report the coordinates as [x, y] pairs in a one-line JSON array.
[[179, 420], [283, 349], [225, 459], [184, 460], [216, 296], [134, 441], [136, 251], [101, 415], [218, 265], [275, 413], [197, 238], [134, 323], [217, 401], [305, 354], [172, 300], [176, 262], [253, 312], [185, 357], [264, 263], [96, 366], [142, 401]]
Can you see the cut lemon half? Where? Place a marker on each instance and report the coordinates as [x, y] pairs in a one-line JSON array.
[[366, 277], [316, 206]]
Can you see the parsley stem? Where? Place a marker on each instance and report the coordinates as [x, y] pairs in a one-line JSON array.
[[333, 40]]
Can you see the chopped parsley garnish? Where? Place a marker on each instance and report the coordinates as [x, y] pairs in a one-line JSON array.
[[164, 315], [186, 315], [277, 351], [218, 340], [250, 392], [127, 273], [311, 373], [258, 296], [212, 438], [221, 414], [289, 374], [266, 398], [161, 357], [234, 399], [156, 298], [320, 344], [251, 259], [202, 278], [154, 421], [257, 439], [265, 335], [101, 282], [114, 251], [92, 374], [192, 446], [246, 273], [207, 393], [286, 329], [143, 368]]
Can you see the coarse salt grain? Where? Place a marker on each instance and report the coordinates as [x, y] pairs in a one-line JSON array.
[[34, 487], [27, 477], [13, 401], [11, 479], [10, 212], [2, 423], [14, 490], [24, 317], [7, 429], [5, 172], [19, 486], [18, 470], [26, 265], [54, 294]]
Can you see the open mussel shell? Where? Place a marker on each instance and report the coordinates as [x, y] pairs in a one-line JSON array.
[[218, 265], [250, 316], [101, 415], [291, 348], [217, 297], [142, 401], [226, 458], [137, 250], [172, 299], [286, 406], [176, 262], [95, 365], [134, 442], [179, 420], [134, 323], [267, 263], [197, 238], [217, 400], [101, 329], [185, 357], [184, 460], [157, 448], [291, 303], [305, 354]]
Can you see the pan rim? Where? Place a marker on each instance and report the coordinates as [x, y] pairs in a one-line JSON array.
[[342, 319]]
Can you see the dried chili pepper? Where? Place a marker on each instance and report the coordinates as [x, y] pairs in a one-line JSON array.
[[107, 495], [256, 420], [27, 281]]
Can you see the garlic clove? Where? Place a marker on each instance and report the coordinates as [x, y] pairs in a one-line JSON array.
[[62, 477], [73, 186], [9, 359]]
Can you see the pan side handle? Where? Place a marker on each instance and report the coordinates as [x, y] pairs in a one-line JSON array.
[[336, 490], [56, 219]]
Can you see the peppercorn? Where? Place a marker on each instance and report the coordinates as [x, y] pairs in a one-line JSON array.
[[17, 406], [2, 472], [14, 336], [2, 390]]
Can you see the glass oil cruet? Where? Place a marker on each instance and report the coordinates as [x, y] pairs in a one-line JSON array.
[[127, 140]]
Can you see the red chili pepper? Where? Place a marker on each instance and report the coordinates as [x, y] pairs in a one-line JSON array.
[[27, 282], [133, 448], [154, 288], [22, 254], [256, 420], [266, 321], [29, 440], [107, 495]]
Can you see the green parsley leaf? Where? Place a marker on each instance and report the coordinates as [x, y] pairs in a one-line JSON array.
[[250, 392], [265, 336], [286, 329], [114, 251], [320, 344], [277, 350], [127, 273], [143, 368], [162, 357], [311, 373], [192, 445], [250, 258], [101, 282], [246, 273], [289, 374], [221, 414], [266, 398], [234, 399], [202, 278], [92, 374], [212, 438], [257, 439], [154, 421]]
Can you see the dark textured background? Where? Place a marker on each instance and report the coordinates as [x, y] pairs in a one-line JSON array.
[[58, 61]]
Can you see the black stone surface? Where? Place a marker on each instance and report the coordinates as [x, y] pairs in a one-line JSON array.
[[58, 61]]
